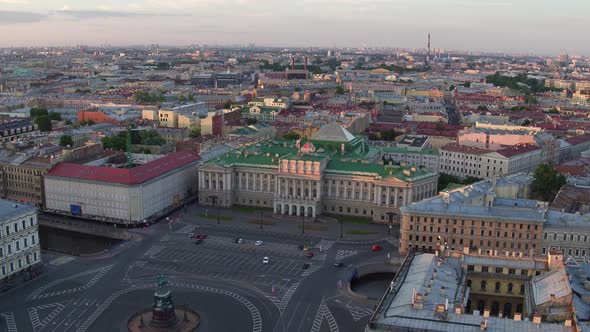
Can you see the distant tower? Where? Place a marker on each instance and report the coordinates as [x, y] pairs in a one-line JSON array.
[[428, 52]]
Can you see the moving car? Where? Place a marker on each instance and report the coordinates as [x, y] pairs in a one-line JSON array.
[[376, 248], [198, 241], [305, 266], [235, 240], [240, 240], [309, 254], [257, 243], [338, 264], [265, 260]]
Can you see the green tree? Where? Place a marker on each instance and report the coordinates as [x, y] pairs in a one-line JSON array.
[[38, 111], [527, 122], [547, 182], [227, 104], [251, 121], [162, 66], [291, 135], [182, 98], [339, 90], [297, 89], [43, 122], [66, 140], [467, 84], [54, 116], [195, 133], [482, 107], [451, 88], [150, 137], [389, 135], [68, 122], [116, 142]]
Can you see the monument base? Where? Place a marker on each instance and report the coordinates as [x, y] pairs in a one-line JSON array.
[[184, 320]]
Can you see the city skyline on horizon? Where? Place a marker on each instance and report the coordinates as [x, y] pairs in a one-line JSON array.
[[495, 26]]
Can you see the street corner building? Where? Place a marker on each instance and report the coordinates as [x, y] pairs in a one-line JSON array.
[[19, 240], [122, 195], [334, 172]]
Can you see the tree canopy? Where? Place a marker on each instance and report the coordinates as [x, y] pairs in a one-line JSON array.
[[339, 90], [291, 135], [547, 182], [38, 111], [520, 82], [54, 116], [66, 140], [148, 97], [195, 133], [43, 122]]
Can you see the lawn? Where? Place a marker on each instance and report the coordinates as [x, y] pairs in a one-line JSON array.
[[250, 208], [360, 232], [264, 222], [214, 216], [314, 228]]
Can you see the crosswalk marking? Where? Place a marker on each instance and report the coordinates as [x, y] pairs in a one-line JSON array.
[[358, 312], [341, 254], [98, 273], [325, 244], [34, 315], [310, 270], [324, 313], [10, 323], [287, 297], [154, 250], [186, 229]]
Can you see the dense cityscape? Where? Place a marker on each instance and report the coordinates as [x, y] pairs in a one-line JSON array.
[[293, 189]]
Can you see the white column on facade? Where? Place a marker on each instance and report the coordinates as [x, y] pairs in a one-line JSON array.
[[396, 198], [410, 195], [329, 188], [388, 199], [345, 189], [269, 182], [337, 189], [254, 180], [201, 180], [274, 209], [319, 189]]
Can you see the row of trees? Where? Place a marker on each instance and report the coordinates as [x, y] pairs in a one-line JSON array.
[[149, 97], [144, 137], [42, 118], [520, 82]]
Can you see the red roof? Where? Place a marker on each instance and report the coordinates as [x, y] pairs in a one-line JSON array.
[[136, 175], [578, 139], [454, 147], [518, 149]]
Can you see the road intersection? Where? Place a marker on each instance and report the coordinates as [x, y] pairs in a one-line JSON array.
[[225, 282]]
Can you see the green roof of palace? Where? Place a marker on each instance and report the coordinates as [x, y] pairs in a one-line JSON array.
[[264, 155]]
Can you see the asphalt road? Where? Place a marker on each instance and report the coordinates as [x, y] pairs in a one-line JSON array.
[[224, 281]]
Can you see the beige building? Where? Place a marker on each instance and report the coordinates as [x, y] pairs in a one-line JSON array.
[[168, 118], [488, 215], [21, 178], [333, 173]]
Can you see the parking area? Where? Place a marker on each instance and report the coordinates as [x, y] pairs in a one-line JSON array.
[[220, 258]]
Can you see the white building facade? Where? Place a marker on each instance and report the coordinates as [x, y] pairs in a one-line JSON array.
[[19, 238]]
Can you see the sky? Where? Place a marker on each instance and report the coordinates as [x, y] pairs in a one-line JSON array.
[[544, 27]]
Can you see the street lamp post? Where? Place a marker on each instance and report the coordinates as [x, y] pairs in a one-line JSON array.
[[390, 218], [341, 223], [302, 224]]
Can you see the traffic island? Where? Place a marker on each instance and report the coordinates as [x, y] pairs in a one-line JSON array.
[[164, 316]]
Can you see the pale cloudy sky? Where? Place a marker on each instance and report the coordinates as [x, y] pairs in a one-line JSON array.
[[537, 26]]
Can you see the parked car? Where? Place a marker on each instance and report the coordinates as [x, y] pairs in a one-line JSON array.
[[257, 243], [338, 264], [376, 248], [305, 266], [309, 254], [235, 240], [202, 236], [265, 260], [198, 241], [300, 247], [240, 240]]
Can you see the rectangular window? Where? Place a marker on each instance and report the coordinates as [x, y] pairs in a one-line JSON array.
[[511, 271]]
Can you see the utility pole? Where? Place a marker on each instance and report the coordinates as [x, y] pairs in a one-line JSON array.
[[302, 224]]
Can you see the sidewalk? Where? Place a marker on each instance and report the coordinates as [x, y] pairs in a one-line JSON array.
[[329, 229]]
